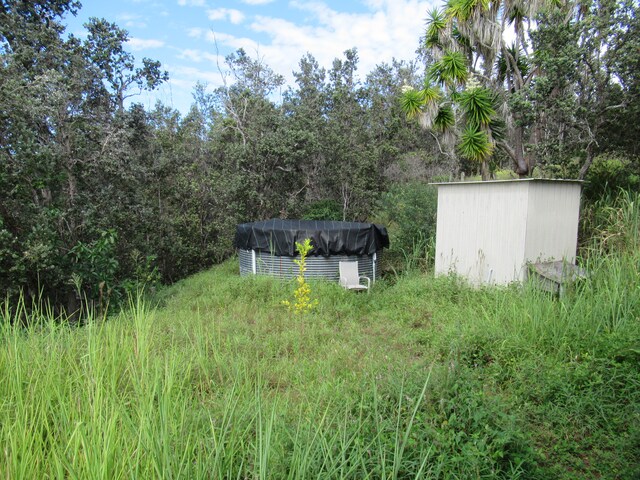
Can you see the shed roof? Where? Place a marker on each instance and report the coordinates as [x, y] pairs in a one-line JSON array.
[[512, 180]]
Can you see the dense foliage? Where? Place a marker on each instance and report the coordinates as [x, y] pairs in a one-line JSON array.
[[426, 378]]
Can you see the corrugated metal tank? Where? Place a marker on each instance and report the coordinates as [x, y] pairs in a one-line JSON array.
[[269, 247], [317, 266]]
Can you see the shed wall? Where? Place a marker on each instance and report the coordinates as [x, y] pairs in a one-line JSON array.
[[481, 231], [552, 221]]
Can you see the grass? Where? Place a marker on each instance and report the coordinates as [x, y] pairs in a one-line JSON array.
[[422, 378]]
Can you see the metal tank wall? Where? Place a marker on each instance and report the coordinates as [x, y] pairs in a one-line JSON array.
[[317, 266]]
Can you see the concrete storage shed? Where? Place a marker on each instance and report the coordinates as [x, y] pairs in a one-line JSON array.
[[268, 247], [487, 232]]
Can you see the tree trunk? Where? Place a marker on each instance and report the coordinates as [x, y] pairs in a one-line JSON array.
[[345, 201], [484, 169], [522, 166], [587, 163], [73, 308]]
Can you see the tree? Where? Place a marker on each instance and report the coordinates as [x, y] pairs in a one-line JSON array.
[[550, 91], [64, 153], [623, 56], [353, 132], [349, 173], [306, 111], [466, 39], [581, 95], [257, 136], [401, 148], [105, 49]]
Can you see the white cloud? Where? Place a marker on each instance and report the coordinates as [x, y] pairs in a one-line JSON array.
[[390, 29], [138, 44], [198, 56], [195, 32], [184, 76], [132, 20], [256, 2], [134, 24], [191, 3], [232, 41], [233, 15], [127, 16], [384, 29], [375, 4]]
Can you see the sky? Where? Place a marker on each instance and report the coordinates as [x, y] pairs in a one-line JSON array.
[[192, 37]]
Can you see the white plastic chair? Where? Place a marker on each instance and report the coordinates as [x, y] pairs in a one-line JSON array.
[[350, 279]]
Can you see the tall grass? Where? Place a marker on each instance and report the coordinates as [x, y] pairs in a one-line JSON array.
[[424, 378]]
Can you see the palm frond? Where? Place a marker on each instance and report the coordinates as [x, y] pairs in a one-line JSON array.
[[431, 93], [475, 145], [436, 24], [477, 104], [411, 102], [454, 9], [445, 118], [498, 128], [504, 68], [450, 70], [462, 10], [516, 12]]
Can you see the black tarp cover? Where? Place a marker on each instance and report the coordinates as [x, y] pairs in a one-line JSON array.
[[327, 237]]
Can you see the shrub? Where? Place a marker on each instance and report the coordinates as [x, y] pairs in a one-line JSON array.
[[302, 294], [323, 210], [608, 174], [409, 213]]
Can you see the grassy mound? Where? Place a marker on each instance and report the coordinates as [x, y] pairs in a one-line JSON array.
[[421, 378]]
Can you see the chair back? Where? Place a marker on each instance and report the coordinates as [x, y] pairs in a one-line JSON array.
[[349, 272]]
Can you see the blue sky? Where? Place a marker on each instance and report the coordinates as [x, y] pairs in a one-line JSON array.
[[183, 34]]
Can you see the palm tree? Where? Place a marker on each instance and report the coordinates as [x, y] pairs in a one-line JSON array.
[[436, 106], [473, 74]]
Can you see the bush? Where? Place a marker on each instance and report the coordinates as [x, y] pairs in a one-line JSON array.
[[409, 213], [323, 210], [608, 174]]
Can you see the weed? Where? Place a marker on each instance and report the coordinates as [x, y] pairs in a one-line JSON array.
[[302, 294]]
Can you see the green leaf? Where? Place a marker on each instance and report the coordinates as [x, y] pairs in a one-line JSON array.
[[498, 128], [504, 68], [431, 94], [411, 102], [436, 23], [462, 10]]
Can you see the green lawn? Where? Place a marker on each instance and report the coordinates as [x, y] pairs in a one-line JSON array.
[[422, 378]]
